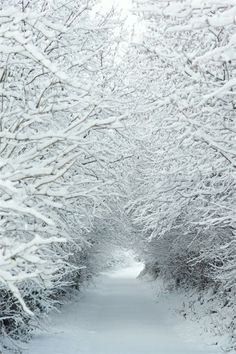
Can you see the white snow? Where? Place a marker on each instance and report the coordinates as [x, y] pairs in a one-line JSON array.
[[120, 314]]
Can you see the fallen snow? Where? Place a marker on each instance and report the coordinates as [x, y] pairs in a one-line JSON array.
[[120, 315]]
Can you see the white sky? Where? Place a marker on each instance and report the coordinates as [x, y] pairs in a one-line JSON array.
[[131, 21], [125, 5]]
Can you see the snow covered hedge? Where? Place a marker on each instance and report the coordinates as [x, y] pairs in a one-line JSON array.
[[183, 202], [56, 103]]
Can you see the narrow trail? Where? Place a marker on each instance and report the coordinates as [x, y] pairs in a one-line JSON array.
[[119, 315]]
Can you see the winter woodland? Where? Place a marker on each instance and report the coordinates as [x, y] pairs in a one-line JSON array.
[[117, 129]]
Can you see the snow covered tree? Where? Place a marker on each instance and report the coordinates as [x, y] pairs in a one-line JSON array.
[[59, 105], [182, 202]]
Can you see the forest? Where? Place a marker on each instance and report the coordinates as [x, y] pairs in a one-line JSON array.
[[117, 130]]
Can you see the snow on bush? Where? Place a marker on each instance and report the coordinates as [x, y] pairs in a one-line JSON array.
[[183, 201], [58, 107]]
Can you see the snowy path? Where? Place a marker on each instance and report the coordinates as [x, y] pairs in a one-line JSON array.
[[119, 316]]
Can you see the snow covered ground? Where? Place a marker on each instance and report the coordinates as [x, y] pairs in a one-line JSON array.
[[120, 315]]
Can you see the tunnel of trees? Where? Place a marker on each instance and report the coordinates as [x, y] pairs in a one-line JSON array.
[[116, 130]]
